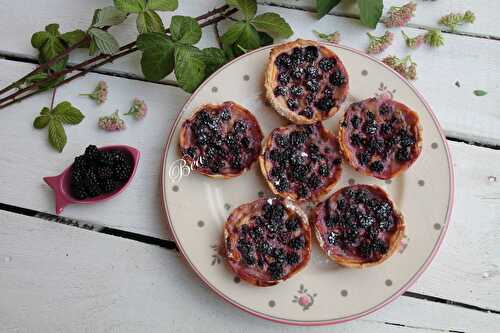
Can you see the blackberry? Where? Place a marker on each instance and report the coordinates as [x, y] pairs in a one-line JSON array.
[[370, 115], [314, 182], [312, 72], [326, 64], [350, 234], [386, 223], [281, 140], [385, 128], [80, 162], [385, 108], [311, 53], [292, 103], [239, 126], [405, 139], [275, 155], [299, 173], [280, 91], [106, 158], [257, 232], [109, 185], [297, 138], [296, 91], [264, 248], [202, 139], [366, 221], [92, 153], [355, 139], [312, 85], [325, 104], [303, 192], [275, 270], [292, 224], [250, 260], [79, 193], [370, 127], [244, 247], [225, 115], [403, 155], [283, 61], [355, 120], [122, 171], [278, 255], [363, 157], [309, 99], [331, 221], [379, 247], [297, 243], [297, 56], [323, 170], [236, 163], [191, 152], [297, 73], [292, 258], [365, 250], [332, 238], [282, 185], [283, 78], [277, 172], [104, 172], [337, 78], [245, 142], [383, 210], [376, 166], [341, 204], [76, 175]]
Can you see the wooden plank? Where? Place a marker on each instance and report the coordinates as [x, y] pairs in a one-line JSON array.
[[26, 157], [427, 14], [57, 278], [462, 114]]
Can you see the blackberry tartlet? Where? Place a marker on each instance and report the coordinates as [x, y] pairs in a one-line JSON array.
[[380, 137], [301, 162], [358, 226], [267, 241], [221, 140], [305, 81]]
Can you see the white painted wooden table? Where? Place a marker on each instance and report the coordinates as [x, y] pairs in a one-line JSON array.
[[59, 278]]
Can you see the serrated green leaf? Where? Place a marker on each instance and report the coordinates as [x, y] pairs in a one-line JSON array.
[[39, 38], [73, 37], [233, 33], [189, 67], [68, 115], [52, 29], [57, 135], [185, 30], [51, 49], [149, 21], [249, 38], [41, 121], [480, 92], [162, 5], [61, 107], [104, 41], [323, 7], [93, 48], [272, 24], [108, 16], [370, 12], [247, 7], [130, 6], [158, 55], [213, 58]]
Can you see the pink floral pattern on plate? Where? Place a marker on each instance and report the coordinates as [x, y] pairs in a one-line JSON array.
[[304, 298]]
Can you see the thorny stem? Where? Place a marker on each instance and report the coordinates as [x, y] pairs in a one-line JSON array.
[[95, 63]]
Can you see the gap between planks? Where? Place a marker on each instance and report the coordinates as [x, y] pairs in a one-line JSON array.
[[170, 245]]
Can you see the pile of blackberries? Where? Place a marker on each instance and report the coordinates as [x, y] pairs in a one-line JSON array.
[[99, 172]]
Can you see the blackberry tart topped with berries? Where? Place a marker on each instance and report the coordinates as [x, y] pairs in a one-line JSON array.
[[267, 241], [380, 137], [301, 162], [305, 81], [358, 226], [221, 140]]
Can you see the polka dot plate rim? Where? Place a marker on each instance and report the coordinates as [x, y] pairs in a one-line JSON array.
[[323, 293]]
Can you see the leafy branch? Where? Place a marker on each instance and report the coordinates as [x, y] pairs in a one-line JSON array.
[[370, 11]]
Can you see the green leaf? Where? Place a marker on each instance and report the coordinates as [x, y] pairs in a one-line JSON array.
[[108, 16], [51, 49], [57, 135], [249, 38], [189, 67], [158, 55], [265, 39], [480, 92], [52, 29], [247, 7], [130, 6], [162, 5], [45, 111], [39, 38], [213, 58], [149, 21], [41, 121], [67, 113], [93, 48], [324, 6], [370, 12], [273, 24], [185, 30], [73, 37], [104, 41], [233, 33]]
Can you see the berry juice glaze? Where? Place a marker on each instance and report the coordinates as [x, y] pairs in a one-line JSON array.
[[221, 139], [267, 241], [380, 136], [302, 160], [358, 223], [310, 80]]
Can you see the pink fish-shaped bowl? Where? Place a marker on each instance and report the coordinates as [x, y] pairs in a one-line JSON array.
[[61, 184]]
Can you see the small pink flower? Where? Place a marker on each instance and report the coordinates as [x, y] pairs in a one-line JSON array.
[[400, 16], [304, 300], [413, 42], [138, 110], [112, 122], [100, 93], [378, 44]]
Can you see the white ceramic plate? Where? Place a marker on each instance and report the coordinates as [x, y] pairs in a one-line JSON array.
[[323, 293]]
